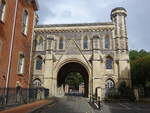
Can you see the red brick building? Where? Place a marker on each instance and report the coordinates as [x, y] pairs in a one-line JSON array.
[[17, 19]]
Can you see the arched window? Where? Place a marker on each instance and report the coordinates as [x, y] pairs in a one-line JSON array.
[[39, 44], [39, 62], [25, 21], [61, 43], [2, 9], [109, 83], [107, 43], [37, 83], [109, 63], [21, 64], [85, 43]]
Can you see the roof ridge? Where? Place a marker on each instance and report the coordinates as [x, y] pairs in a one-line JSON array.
[[75, 24]]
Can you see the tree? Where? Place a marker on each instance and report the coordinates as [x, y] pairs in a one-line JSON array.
[[134, 54], [140, 68], [74, 79]]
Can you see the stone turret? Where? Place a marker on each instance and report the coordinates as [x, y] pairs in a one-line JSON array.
[[118, 17]]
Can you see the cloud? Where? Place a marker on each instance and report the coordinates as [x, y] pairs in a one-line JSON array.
[[82, 11]]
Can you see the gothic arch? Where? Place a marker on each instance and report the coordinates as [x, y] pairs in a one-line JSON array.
[[40, 55], [38, 61], [108, 81], [59, 65], [73, 66], [109, 55], [37, 82]]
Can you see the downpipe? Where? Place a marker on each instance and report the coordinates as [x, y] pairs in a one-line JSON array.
[[10, 52]]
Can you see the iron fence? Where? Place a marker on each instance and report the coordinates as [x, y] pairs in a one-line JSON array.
[[11, 96]]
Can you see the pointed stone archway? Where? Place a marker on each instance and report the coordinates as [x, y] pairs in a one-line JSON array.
[[73, 67]]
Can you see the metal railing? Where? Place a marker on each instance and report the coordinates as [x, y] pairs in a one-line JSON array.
[[20, 95]]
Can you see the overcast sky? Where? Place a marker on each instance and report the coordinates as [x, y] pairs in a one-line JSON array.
[[85, 11]]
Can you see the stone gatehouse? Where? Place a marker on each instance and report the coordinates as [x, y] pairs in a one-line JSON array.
[[98, 51]]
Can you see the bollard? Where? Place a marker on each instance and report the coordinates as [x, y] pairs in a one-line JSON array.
[[99, 104]]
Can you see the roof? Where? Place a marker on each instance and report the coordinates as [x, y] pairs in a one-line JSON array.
[[36, 4], [119, 8], [73, 25]]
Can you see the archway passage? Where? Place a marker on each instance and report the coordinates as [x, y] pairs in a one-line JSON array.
[[73, 67]]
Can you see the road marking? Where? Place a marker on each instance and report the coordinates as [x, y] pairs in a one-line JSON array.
[[125, 106]]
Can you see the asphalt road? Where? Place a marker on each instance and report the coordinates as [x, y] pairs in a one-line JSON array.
[[124, 107], [68, 104], [76, 104]]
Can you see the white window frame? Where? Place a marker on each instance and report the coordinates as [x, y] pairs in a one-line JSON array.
[[37, 83], [109, 84], [25, 25], [3, 12], [21, 65]]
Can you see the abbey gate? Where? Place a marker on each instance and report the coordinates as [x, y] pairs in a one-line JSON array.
[[98, 51]]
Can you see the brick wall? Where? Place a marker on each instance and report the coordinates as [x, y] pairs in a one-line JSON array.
[[22, 43]]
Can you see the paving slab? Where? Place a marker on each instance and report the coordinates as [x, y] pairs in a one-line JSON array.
[[26, 107]]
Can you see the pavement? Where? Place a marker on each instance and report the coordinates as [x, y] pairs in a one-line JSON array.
[[77, 104], [26, 108], [124, 107]]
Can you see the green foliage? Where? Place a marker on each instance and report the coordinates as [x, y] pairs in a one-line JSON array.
[[134, 54], [140, 67], [140, 71], [74, 79]]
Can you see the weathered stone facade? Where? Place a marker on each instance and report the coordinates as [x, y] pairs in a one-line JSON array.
[[99, 51]]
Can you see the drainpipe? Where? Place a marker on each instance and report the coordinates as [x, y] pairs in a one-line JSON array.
[[11, 47]]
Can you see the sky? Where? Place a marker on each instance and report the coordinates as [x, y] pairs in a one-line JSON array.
[[90, 11]]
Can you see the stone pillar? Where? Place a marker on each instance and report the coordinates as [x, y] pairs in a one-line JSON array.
[[48, 75], [95, 62]]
